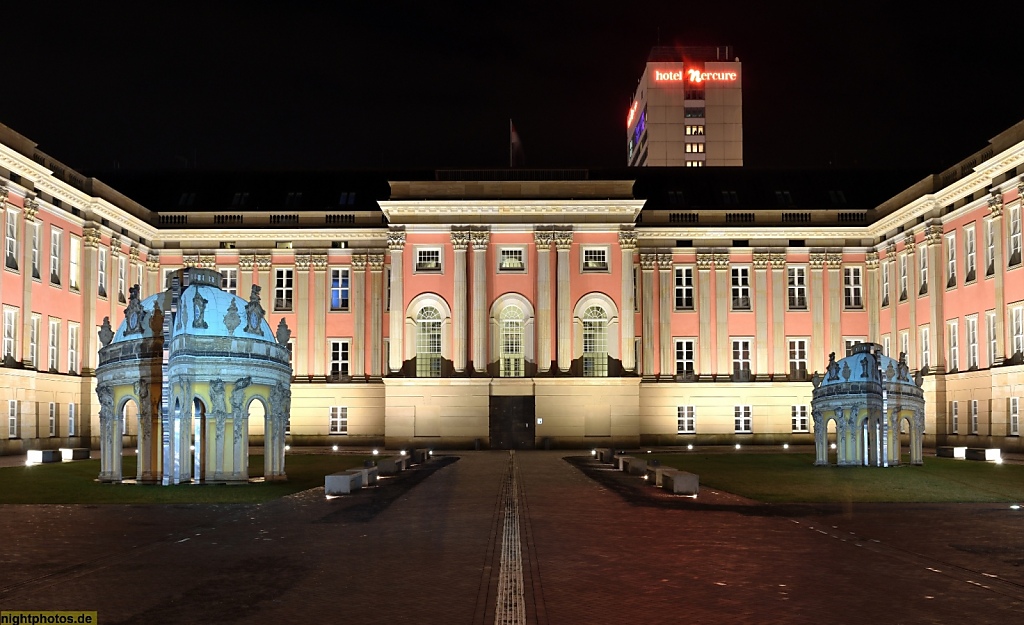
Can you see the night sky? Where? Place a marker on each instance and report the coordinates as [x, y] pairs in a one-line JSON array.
[[303, 85]]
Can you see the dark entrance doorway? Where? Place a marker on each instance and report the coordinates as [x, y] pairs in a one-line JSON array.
[[512, 422]]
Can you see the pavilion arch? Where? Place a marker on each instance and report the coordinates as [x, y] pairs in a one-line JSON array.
[[497, 308], [412, 313], [611, 312]]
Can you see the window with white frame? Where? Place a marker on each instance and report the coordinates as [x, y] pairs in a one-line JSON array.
[[740, 356], [684, 288], [922, 275], [512, 353], [101, 271], [971, 327], [339, 289], [72, 348], [799, 414], [885, 283], [339, 420], [12, 418], [990, 247], [33, 341], [35, 250], [595, 342], [742, 419], [165, 278], [926, 350], [951, 260], [511, 259], [954, 415], [798, 358], [11, 237], [55, 255], [886, 345], [121, 278], [339, 358], [1017, 329], [54, 345], [974, 416], [853, 287], [72, 419], [595, 258], [741, 288], [970, 255], [428, 259], [74, 263], [952, 335], [1014, 416], [428, 343], [904, 337], [796, 278], [10, 333], [684, 420], [993, 343], [850, 342], [229, 280], [1014, 247], [53, 419], [283, 289], [903, 277], [140, 276], [684, 356]]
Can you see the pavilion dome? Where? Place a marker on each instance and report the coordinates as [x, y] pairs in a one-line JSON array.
[[863, 365]]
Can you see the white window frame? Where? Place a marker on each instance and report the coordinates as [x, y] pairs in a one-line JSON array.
[[512, 342], [11, 240], [799, 420], [850, 341], [339, 353], [53, 344], [797, 354], [974, 416], [887, 345], [429, 341], [951, 277], [595, 342], [1013, 248], [229, 280], [922, 273], [593, 263], [338, 420], [990, 247], [993, 339], [140, 279], [10, 343], [423, 261], [904, 281], [970, 254], [53, 418], [342, 277], [971, 328], [12, 418], [885, 283], [796, 287], [72, 418], [1017, 328], [1014, 416], [742, 348], [101, 271], [853, 288], [685, 355], [122, 278], [685, 422], [33, 341], [743, 419], [284, 289], [56, 236], [511, 259], [954, 413], [75, 264], [953, 341], [926, 348], [73, 333], [35, 250], [683, 291], [740, 289]]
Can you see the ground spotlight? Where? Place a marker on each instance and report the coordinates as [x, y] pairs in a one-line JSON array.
[[832, 446], [287, 447], [737, 445], [785, 445], [690, 446], [593, 452], [375, 452], [335, 448]]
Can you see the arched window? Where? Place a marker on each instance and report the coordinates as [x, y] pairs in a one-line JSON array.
[[511, 342], [428, 343], [595, 342]]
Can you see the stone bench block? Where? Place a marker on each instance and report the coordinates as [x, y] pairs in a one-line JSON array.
[[369, 476], [38, 456], [680, 482], [343, 482], [621, 462], [74, 453], [635, 466], [392, 466], [606, 455], [654, 474], [981, 453], [419, 456], [951, 452]]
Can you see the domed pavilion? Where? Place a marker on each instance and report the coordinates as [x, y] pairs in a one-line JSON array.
[[193, 359], [868, 396]]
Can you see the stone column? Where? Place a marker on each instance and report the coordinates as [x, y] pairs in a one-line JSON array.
[[480, 300], [460, 242], [665, 307], [818, 349], [836, 290], [894, 294], [246, 262], [723, 296], [563, 243], [358, 302], [376, 262], [154, 282], [873, 301], [90, 291], [995, 207], [780, 349], [912, 288], [761, 316], [705, 347], [627, 244], [396, 243], [647, 313], [28, 226], [543, 240], [936, 291], [319, 264], [263, 262], [303, 350]]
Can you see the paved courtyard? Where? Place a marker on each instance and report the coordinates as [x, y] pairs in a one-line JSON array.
[[595, 549]]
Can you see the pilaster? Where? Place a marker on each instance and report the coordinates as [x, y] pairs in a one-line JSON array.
[[480, 240], [28, 225], [937, 319], [358, 301], [704, 365], [396, 245], [761, 370], [543, 240], [376, 262], [835, 302], [627, 244], [873, 301], [319, 264], [780, 350], [894, 294], [816, 297], [246, 262], [90, 298], [723, 298], [995, 207], [303, 348], [460, 243], [909, 248], [665, 347], [563, 245], [647, 262]]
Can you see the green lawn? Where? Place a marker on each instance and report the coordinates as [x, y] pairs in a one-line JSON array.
[[75, 482], [793, 478]]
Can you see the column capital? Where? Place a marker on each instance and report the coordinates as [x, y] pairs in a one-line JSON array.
[[871, 260], [359, 262], [778, 261], [480, 239], [834, 259], [543, 239], [246, 261], [909, 243], [133, 253], [647, 261], [995, 200], [376, 261], [31, 207], [396, 240], [460, 240], [115, 248], [563, 240], [721, 261], [263, 262], [627, 239], [890, 251], [303, 261], [190, 260], [319, 262], [91, 237], [665, 262], [704, 261], [153, 262], [933, 234], [817, 260], [761, 260]]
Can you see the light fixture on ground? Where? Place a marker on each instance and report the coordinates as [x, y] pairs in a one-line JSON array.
[[334, 448], [737, 445], [785, 445], [375, 452], [690, 446]]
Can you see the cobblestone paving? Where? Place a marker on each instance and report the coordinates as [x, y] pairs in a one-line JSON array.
[[423, 549]]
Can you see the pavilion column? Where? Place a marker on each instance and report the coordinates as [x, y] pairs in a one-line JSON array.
[[894, 285], [647, 262], [303, 350], [396, 243], [834, 262], [563, 243], [667, 368], [627, 244], [995, 206], [358, 302], [873, 301], [722, 306], [705, 347], [761, 316], [376, 262], [913, 355], [543, 240], [460, 243], [480, 240], [818, 349], [780, 350], [29, 232]]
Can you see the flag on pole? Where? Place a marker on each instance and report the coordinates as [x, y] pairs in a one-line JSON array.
[[516, 156]]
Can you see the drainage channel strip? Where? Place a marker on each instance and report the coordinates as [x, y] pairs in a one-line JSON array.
[[510, 608]]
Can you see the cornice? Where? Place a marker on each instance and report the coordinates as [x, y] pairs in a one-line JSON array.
[[398, 211]]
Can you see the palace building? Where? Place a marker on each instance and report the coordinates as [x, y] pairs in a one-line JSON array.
[[522, 309]]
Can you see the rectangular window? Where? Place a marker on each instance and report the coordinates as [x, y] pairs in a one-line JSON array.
[[693, 112], [797, 278], [954, 344], [54, 345], [852, 287], [886, 345], [339, 359], [512, 259], [695, 148], [742, 419], [970, 255], [12, 240], [1014, 247], [849, 343], [35, 251], [595, 259], [905, 343], [974, 416], [903, 277], [74, 263], [990, 247], [339, 420], [1014, 416], [283, 286], [428, 259], [741, 358], [10, 334], [694, 130], [140, 279], [339, 289], [121, 278], [55, 251], [1017, 329], [885, 283], [922, 276], [741, 288], [951, 260], [684, 288], [798, 359], [684, 356], [73, 348], [53, 419], [993, 343], [72, 417], [972, 341], [12, 418], [800, 419], [954, 415], [926, 354], [101, 271], [684, 420], [229, 280], [33, 342]]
